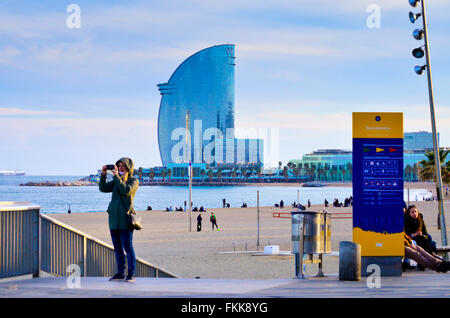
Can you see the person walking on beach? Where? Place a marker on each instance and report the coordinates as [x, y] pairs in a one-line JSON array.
[[199, 223], [213, 220], [123, 188]]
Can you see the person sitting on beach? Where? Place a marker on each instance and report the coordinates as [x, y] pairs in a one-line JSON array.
[[326, 202], [277, 205], [228, 205], [418, 254], [416, 229], [201, 209]]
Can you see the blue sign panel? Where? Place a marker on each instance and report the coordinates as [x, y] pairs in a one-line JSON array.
[[378, 188]]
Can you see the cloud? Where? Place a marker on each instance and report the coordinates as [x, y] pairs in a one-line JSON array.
[[75, 128], [76, 146], [8, 55], [26, 112]]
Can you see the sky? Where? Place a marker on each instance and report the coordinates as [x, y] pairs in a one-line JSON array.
[[77, 96]]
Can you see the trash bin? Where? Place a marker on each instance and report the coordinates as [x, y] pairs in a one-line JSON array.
[[311, 234], [317, 232]]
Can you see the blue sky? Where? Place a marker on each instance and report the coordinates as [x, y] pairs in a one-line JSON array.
[[75, 99]]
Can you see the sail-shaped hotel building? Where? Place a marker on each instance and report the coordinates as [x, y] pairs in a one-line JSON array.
[[203, 86]]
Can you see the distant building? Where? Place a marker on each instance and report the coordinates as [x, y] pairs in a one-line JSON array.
[[336, 164], [421, 140], [202, 85]]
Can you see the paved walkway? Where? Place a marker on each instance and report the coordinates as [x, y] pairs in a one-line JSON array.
[[411, 284]]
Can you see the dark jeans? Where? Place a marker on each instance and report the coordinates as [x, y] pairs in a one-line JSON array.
[[123, 240]]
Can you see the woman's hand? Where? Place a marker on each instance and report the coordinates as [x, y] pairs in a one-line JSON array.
[[104, 170], [115, 170]]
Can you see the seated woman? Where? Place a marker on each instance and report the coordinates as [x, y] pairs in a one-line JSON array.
[[416, 229], [423, 258]]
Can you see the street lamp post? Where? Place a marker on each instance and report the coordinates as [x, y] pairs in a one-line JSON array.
[[189, 161], [418, 35]]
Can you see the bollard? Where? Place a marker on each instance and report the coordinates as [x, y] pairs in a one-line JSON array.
[[349, 261]]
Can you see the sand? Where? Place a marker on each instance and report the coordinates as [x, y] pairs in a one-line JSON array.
[[166, 241]]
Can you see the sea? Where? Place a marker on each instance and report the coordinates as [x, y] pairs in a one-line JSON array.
[[90, 199]]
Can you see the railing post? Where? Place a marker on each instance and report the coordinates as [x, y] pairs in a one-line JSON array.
[[37, 253], [84, 256]]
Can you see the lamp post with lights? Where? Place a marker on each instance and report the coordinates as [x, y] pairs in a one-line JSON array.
[[420, 34]]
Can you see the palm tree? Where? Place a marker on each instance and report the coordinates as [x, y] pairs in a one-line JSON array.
[[203, 173], [427, 169], [285, 172], [233, 174], [219, 174], [183, 173], [244, 173], [259, 172], [350, 170], [297, 172], [343, 171], [326, 170], [210, 175], [416, 171], [408, 172], [152, 174], [334, 172]]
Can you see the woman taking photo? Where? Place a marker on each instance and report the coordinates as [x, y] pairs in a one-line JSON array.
[[123, 187]]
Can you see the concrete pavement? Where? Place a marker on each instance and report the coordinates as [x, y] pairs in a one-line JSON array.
[[411, 284]]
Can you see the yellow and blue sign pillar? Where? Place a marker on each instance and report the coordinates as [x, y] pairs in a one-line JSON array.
[[378, 190]]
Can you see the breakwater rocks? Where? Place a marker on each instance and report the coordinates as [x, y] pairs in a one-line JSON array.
[[76, 183]]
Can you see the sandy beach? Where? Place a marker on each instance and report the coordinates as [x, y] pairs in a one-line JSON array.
[[167, 242]]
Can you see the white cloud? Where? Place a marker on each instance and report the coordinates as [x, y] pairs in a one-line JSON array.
[[6, 111], [75, 128]]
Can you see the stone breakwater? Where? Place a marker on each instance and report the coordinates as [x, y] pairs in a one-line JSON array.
[[60, 183]]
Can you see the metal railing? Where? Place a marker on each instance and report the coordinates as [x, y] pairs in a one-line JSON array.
[[333, 215], [19, 239], [31, 242]]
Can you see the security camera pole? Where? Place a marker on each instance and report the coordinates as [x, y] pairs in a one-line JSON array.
[[435, 139]]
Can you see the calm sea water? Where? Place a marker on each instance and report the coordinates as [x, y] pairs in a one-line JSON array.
[[90, 199]]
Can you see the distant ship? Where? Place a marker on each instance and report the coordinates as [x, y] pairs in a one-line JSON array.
[[12, 173]]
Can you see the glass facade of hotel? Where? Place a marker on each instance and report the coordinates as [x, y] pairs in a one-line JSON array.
[[239, 151], [203, 85]]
